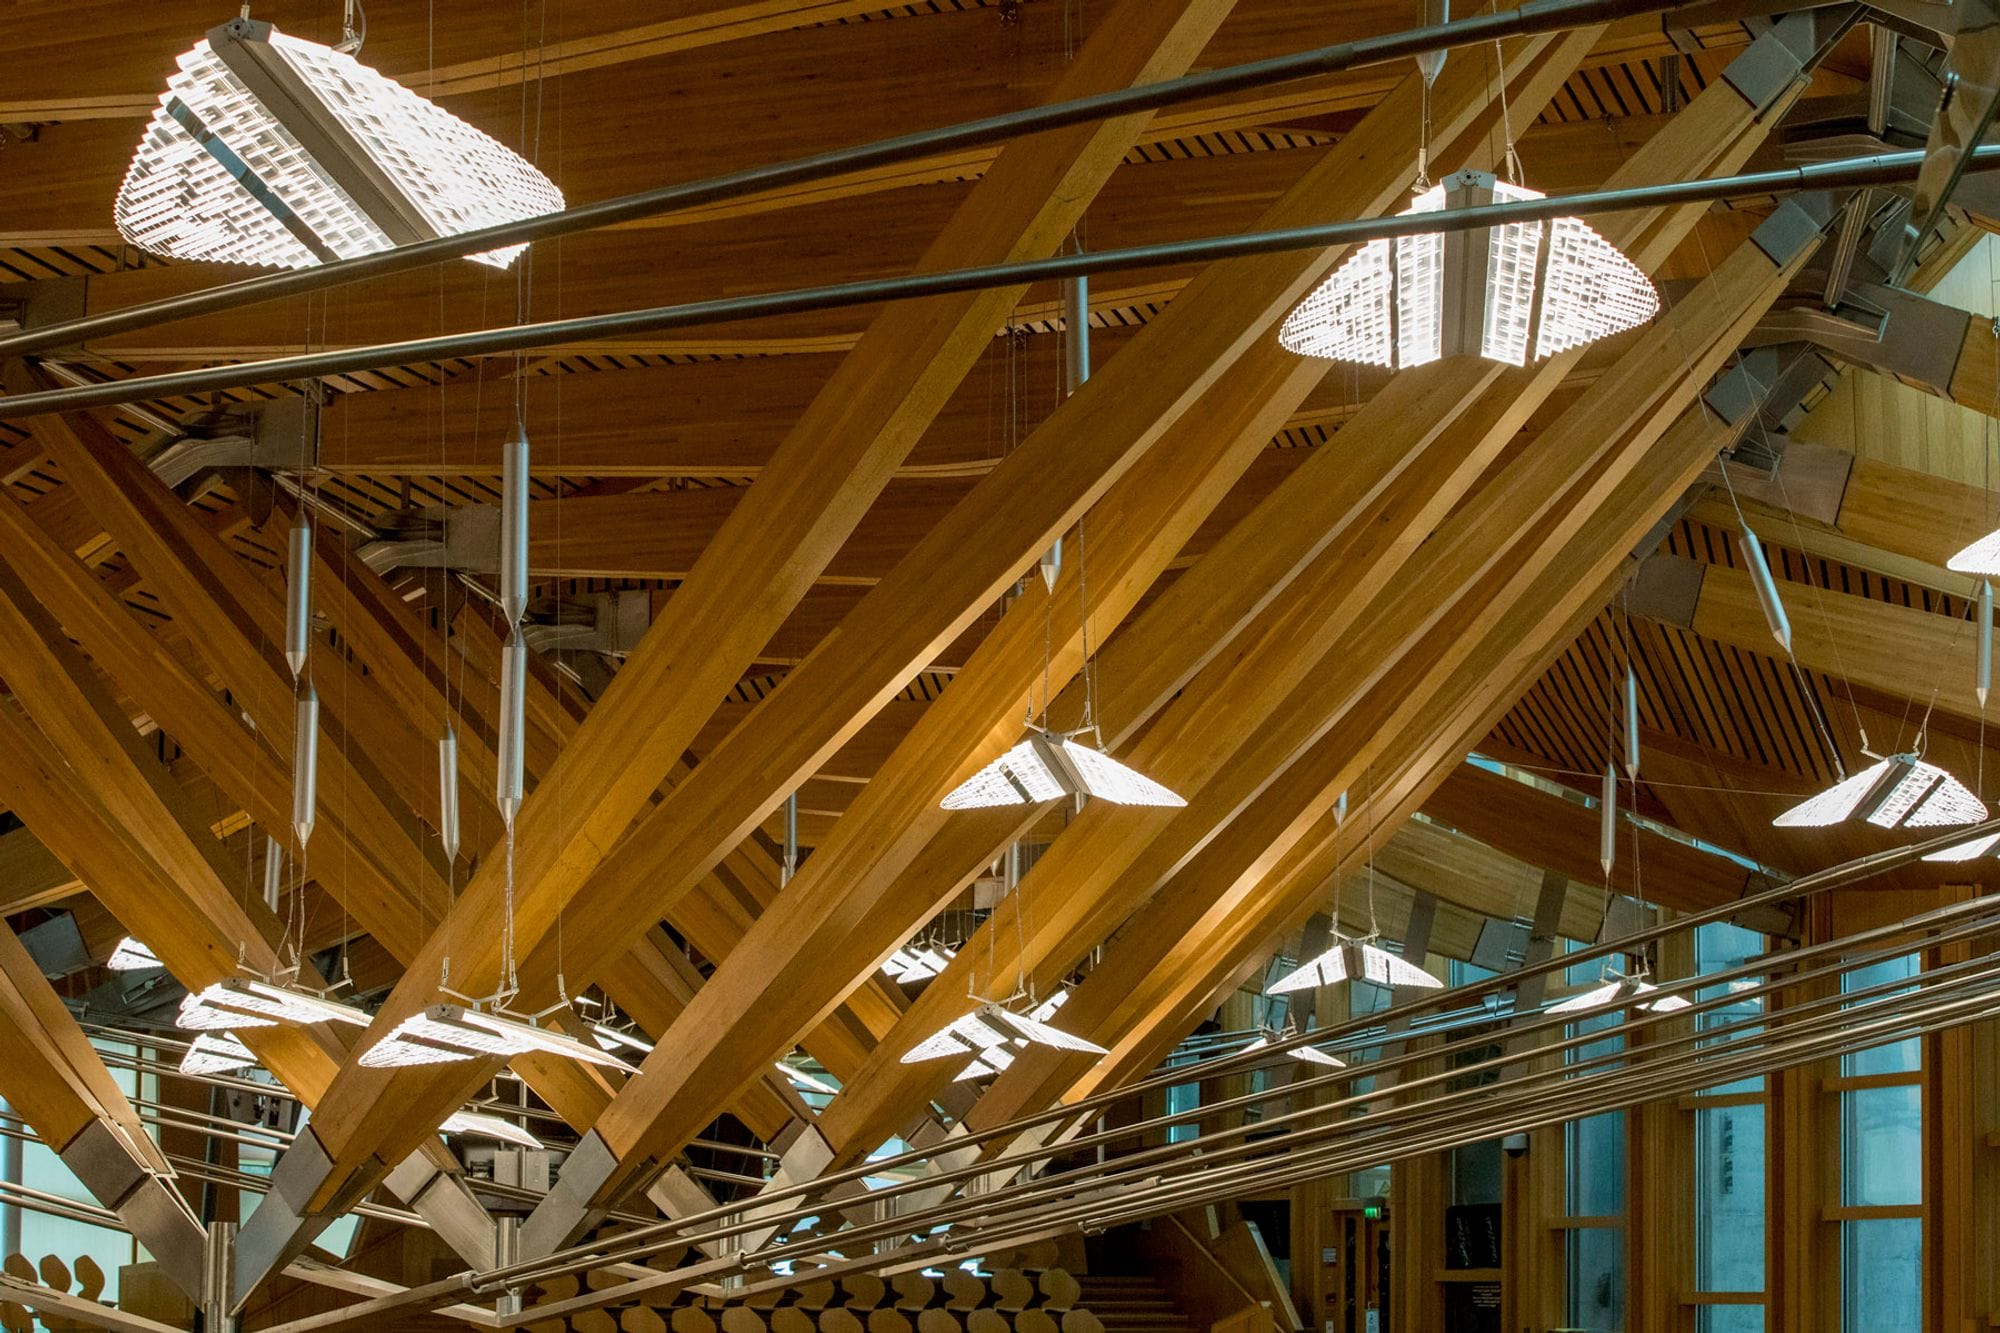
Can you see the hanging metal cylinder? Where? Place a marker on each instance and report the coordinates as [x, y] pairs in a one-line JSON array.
[[1631, 722], [448, 791], [514, 525], [1767, 590], [274, 872], [1340, 810], [1607, 808], [1983, 681], [513, 717], [305, 763], [790, 865], [298, 597]]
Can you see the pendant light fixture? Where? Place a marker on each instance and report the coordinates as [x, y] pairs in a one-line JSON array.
[[1311, 1055], [1607, 819], [918, 964], [268, 149], [131, 956], [1901, 791], [1982, 681], [246, 1002], [216, 1053], [1767, 589], [1631, 723], [478, 1125], [1511, 293], [1981, 558], [448, 792], [1076, 369], [1050, 765], [993, 1034], [448, 1033], [1967, 851], [1619, 992], [1354, 960], [806, 1082]]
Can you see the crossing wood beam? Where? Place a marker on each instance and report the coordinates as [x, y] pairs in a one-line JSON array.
[[837, 458], [53, 1079], [1199, 336], [1243, 722]]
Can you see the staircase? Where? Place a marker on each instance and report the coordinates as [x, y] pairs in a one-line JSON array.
[[1126, 1304]]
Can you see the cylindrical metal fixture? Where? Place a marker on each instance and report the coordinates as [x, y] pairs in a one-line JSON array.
[[448, 791], [305, 763], [274, 873], [513, 717], [1631, 722], [1767, 590], [791, 863], [514, 525], [1984, 680], [218, 1279], [1340, 810], [1607, 810], [298, 596], [1076, 323]]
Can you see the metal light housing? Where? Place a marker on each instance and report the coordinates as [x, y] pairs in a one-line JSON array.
[[1050, 765], [1901, 791], [245, 1002], [267, 149], [1354, 960], [1513, 293], [447, 1033]]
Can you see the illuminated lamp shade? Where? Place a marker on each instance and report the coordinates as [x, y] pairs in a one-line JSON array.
[[1901, 791], [239, 1002], [1967, 851], [216, 1053], [919, 964], [1511, 293], [1046, 767], [477, 1125], [446, 1033], [994, 1035], [267, 149], [1620, 991], [131, 956], [1982, 557], [1354, 960], [1311, 1055]]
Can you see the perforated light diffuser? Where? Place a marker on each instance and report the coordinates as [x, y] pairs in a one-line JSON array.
[[994, 1035], [1046, 767], [1901, 791], [1967, 851], [270, 150], [239, 1002], [131, 956], [1982, 557], [918, 964], [216, 1053], [1354, 960], [1509, 293], [1307, 1054], [445, 1033], [1620, 991], [476, 1124]]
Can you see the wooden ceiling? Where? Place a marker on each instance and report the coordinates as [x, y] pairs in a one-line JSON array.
[[1300, 581]]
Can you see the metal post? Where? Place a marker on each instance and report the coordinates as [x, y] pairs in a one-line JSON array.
[[10, 1174], [507, 1251], [218, 1279]]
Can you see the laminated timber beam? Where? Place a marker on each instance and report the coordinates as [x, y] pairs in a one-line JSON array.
[[1205, 333], [53, 1079], [1234, 735], [1875, 644], [832, 465]]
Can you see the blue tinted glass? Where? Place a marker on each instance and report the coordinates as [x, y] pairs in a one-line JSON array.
[[1596, 1160], [1896, 1057], [1596, 1272], [1881, 1285], [1882, 1144], [1730, 1319], [1729, 1198]]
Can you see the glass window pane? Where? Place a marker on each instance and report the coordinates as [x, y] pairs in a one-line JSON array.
[[1729, 1319], [1596, 1160], [1882, 1146], [1596, 1278], [1897, 1057], [1729, 1198], [1717, 946], [1881, 1282]]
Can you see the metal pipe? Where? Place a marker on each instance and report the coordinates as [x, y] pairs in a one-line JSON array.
[[274, 873], [1983, 677], [1880, 169], [1767, 589], [448, 791], [1631, 723], [509, 775], [305, 763], [1536, 16], [1607, 819], [298, 596], [514, 526], [10, 1175]]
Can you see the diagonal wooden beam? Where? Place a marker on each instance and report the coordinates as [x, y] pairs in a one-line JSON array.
[[825, 475], [54, 1080], [1209, 329]]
